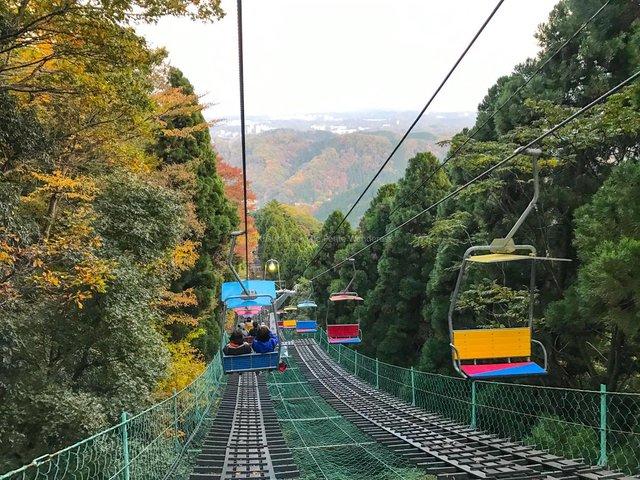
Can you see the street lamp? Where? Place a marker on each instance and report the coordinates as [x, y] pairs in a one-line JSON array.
[[272, 266]]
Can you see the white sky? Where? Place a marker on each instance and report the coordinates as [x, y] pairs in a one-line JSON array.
[[309, 56]]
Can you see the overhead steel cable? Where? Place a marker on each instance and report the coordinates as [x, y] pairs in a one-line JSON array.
[[242, 138], [406, 134], [498, 110], [490, 169]]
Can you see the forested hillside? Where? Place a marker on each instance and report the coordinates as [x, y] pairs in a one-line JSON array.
[[321, 170], [113, 221], [587, 311]]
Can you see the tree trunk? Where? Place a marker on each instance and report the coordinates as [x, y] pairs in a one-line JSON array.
[[51, 214], [613, 365]]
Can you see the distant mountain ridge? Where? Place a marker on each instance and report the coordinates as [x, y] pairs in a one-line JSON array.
[[321, 170]]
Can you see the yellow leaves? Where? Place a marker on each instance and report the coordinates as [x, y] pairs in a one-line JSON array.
[[81, 283], [187, 132], [185, 255], [80, 187], [6, 254], [186, 365], [92, 275]]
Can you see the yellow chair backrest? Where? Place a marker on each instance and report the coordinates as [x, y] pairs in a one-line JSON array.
[[289, 323], [494, 343]]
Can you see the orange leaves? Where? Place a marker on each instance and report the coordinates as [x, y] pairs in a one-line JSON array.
[[233, 189], [186, 132], [170, 300], [173, 102], [185, 255]]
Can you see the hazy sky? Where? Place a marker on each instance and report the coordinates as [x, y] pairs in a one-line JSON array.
[[305, 56]]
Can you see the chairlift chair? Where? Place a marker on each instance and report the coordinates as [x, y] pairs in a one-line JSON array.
[[307, 326], [480, 353], [246, 296], [345, 333]]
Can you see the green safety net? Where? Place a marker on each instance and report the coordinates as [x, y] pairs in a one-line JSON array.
[[152, 445], [324, 445], [601, 428]]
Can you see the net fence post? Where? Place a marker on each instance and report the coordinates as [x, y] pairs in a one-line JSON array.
[[602, 461], [355, 363], [377, 373], [339, 352], [474, 406], [125, 447], [176, 440], [413, 387]]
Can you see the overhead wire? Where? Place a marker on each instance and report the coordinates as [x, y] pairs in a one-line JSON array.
[[497, 110], [242, 138], [406, 134], [480, 176]]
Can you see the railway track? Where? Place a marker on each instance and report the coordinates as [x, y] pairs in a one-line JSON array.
[[440, 446], [245, 440]]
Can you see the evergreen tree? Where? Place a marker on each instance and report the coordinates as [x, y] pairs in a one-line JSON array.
[[213, 210], [395, 307]]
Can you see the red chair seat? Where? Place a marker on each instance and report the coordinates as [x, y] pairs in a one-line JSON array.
[[347, 333]]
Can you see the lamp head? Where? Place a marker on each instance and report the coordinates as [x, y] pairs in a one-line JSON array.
[[272, 266]]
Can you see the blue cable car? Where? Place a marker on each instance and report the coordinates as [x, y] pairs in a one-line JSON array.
[[307, 326], [250, 295]]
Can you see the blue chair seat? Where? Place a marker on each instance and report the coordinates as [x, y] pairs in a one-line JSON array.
[[250, 362], [306, 326], [344, 340], [495, 370]]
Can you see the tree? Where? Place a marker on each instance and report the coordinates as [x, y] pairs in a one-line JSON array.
[[234, 191], [602, 308], [283, 239], [190, 151], [395, 307]]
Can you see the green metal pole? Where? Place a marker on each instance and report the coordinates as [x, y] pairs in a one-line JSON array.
[[125, 447], [377, 373], [176, 439], [339, 352], [355, 368], [603, 426], [413, 388], [473, 422]]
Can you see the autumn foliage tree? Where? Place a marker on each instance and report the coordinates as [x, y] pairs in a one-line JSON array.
[[95, 227], [234, 191]]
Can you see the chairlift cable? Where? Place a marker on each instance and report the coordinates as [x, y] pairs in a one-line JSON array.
[[498, 110], [406, 134], [542, 136], [242, 138]]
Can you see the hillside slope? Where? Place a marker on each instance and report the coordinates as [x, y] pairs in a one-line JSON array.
[[321, 170]]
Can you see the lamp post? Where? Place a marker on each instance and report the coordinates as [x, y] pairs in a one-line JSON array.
[[272, 266]]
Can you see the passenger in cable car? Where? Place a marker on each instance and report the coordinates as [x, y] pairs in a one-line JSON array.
[[265, 341], [254, 331], [243, 332], [237, 345]]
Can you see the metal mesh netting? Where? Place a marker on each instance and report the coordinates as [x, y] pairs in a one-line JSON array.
[[602, 428], [148, 446], [325, 445]]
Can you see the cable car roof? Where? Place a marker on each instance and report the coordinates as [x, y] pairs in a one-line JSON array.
[[510, 257], [265, 288], [307, 304], [341, 296]]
